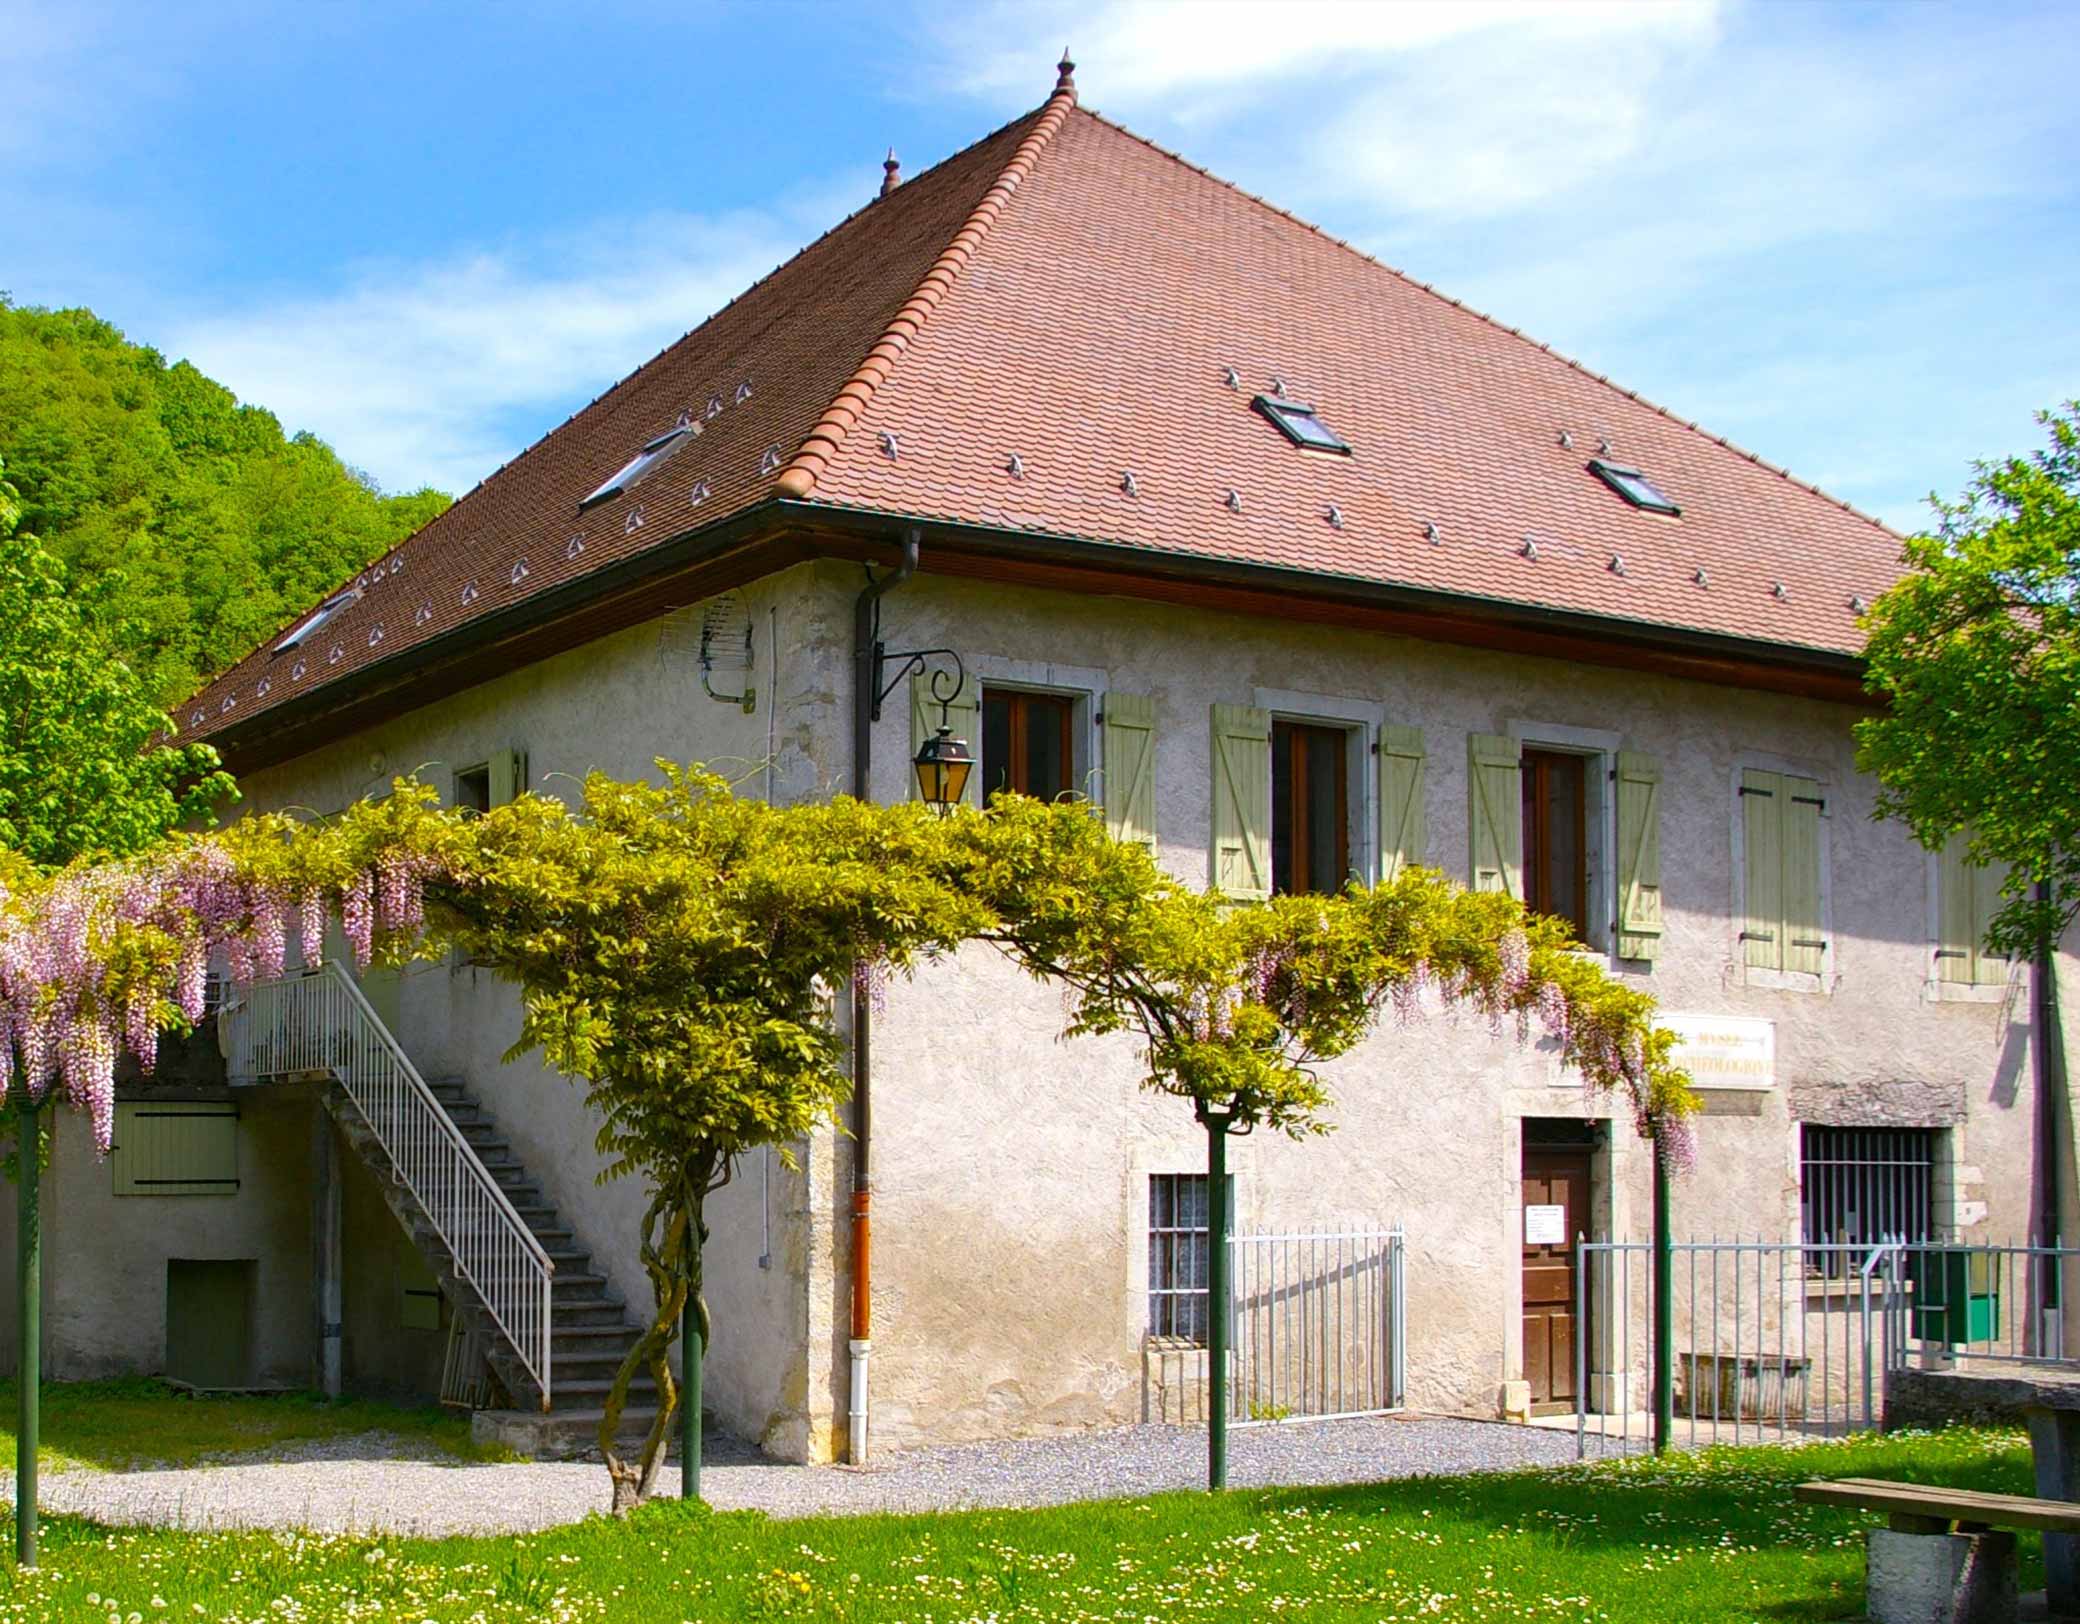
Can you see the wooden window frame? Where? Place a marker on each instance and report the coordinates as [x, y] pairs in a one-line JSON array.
[[1536, 769], [1021, 703], [1291, 736]]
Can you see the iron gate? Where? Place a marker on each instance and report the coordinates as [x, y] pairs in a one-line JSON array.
[[1318, 1329]]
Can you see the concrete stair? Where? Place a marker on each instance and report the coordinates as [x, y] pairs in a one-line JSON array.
[[591, 1327]]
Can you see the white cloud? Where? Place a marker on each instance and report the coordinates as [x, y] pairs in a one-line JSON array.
[[436, 374]]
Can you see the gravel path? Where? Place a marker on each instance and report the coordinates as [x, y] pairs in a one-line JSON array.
[[375, 1482]]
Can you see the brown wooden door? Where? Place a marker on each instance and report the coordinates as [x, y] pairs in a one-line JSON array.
[[1553, 1179]]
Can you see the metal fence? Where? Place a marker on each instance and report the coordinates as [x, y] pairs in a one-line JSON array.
[[1319, 1330], [2004, 1304], [1780, 1340]]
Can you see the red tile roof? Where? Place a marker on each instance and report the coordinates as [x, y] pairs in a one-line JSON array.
[[1068, 295]]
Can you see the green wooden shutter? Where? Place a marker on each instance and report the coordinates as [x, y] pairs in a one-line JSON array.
[[1495, 809], [1402, 842], [1130, 767], [1967, 898], [420, 1307], [175, 1149], [1762, 837], [1805, 942], [1639, 855], [507, 770], [1956, 925], [1988, 967], [963, 717], [1242, 802]]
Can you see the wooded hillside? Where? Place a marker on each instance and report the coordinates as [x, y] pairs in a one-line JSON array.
[[220, 525]]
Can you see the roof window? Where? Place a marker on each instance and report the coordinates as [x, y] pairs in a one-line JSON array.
[[643, 463], [317, 617], [1300, 425], [1634, 486]]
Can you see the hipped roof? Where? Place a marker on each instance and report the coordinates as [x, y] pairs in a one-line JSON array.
[[1059, 332]]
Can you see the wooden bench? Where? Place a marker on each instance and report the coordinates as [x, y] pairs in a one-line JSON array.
[[1929, 1508], [1915, 1573]]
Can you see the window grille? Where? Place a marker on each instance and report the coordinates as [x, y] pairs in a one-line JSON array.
[[1177, 1255], [1864, 1185]]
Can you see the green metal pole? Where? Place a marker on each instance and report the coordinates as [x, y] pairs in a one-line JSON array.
[[29, 1320], [1217, 1305], [690, 1400], [1664, 1307]]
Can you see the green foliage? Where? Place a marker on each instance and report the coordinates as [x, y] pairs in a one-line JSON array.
[[679, 949], [1977, 654], [221, 527], [81, 771]]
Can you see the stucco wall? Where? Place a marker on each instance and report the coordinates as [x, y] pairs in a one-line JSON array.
[[617, 705], [105, 1257], [1011, 1169]]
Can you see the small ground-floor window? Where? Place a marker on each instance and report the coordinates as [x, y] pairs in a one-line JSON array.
[[1860, 1186], [1177, 1255]]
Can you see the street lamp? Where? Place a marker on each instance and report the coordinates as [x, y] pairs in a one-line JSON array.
[[943, 764]]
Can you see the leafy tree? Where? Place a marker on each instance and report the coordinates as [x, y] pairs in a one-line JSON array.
[[221, 527], [1976, 652], [81, 770]]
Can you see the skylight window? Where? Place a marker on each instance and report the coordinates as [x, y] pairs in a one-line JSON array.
[[1300, 425], [643, 463], [1634, 486], [324, 612]]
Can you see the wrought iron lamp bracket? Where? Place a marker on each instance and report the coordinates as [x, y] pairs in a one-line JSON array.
[[919, 661]]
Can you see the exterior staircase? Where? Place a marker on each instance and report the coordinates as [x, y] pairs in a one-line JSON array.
[[591, 1329], [549, 1327]]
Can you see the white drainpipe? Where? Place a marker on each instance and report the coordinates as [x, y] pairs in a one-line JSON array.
[[856, 1417]]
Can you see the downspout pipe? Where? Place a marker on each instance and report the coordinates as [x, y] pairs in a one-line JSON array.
[[866, 676], [2047, 1049]]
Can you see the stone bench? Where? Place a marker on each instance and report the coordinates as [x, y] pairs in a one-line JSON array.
[[1939, 1560]]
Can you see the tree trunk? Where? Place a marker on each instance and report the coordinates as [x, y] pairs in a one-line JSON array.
[[674, 1267]]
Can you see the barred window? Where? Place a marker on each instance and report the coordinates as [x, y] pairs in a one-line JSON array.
[[1864, 1185], [1177, 1255]]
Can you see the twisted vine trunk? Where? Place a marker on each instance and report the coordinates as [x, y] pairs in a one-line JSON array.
[[674, 1232]]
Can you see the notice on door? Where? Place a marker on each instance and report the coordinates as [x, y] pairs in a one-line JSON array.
[[1545, 1226]]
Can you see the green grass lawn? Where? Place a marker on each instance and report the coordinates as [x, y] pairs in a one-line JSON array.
[[95, 1426], [1714, 1536]]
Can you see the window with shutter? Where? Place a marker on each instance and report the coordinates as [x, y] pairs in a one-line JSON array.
[[1242, 802], [1310, 808], [1494, 800], [1783, 926], [175, 1148], [1968, 895], [1027, 743], [1402, 841], [1639, 855], [1130, 767], [962, 717]]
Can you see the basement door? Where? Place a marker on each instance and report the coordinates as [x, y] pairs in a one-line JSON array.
[[1556, 1210]]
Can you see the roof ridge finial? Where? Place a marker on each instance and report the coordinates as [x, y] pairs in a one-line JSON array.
[[891, 172], [1065, 74]]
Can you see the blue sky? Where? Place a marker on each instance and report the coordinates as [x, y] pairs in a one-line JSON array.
[[1845, 237]]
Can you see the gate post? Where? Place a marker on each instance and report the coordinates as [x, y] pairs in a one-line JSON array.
[[1217, 1294], [1664, 1304]]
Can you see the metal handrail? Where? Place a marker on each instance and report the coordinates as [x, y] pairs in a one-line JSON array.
[[320, 1021]]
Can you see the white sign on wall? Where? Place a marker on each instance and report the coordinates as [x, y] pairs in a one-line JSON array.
[[1724, 1051]]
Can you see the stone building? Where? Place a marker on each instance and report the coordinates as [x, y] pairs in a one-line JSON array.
[[1299, 569]]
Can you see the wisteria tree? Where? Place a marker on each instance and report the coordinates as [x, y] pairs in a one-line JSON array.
[[676, 947]]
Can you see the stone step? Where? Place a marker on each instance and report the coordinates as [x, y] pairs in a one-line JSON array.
[[559, 1434], [572, 1316], [579, 1340]]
